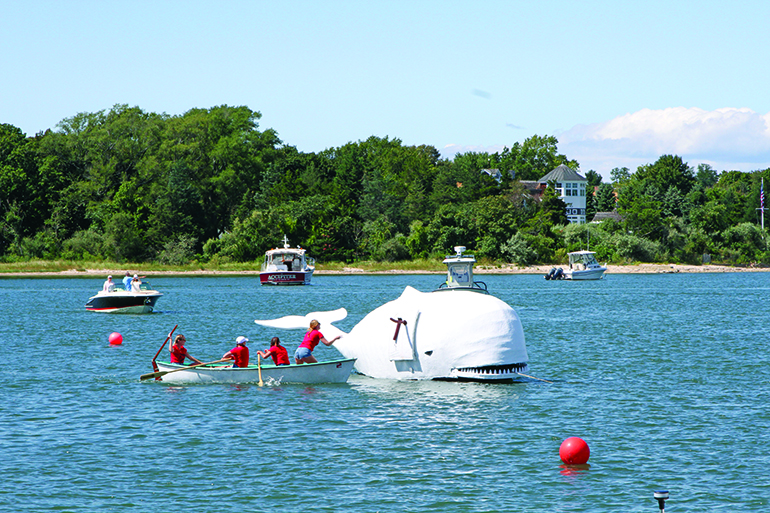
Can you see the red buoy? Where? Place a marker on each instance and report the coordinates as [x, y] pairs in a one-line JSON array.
[[574, 451], [116, 338]]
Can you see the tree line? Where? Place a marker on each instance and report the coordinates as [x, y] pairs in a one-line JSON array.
[[125, 185]]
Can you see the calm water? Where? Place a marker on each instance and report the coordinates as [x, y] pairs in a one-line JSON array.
[[665, 376]]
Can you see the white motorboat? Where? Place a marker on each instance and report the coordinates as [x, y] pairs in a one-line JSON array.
[[286, 266], [583, 266], [118, 300]]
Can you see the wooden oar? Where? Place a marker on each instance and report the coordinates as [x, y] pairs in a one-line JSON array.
[[163, 373], [155, 365], [259, 367], [533, 377]]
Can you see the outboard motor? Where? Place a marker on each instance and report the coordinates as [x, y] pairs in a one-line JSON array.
[[549, 274], [558, 275]]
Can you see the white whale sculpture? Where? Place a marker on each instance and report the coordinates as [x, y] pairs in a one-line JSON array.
[[455, 333]]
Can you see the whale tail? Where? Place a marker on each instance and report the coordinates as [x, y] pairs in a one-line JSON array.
[[303, 321]]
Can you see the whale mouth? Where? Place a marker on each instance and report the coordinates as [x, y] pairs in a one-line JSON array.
[[488, 373]]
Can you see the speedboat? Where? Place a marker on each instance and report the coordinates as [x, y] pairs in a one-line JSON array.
[[118, 300], [333, 371], [286, 266]]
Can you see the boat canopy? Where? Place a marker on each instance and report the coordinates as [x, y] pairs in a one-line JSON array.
[[587, 258], [287, 258]]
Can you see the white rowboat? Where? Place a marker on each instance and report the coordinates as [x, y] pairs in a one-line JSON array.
[[334, 371]]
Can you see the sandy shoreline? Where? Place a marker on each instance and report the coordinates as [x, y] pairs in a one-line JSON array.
[[479, 269]]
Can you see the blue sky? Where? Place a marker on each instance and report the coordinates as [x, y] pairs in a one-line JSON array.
[[618, 83]]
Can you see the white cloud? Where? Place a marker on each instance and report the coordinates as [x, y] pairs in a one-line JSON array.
[[726, 138]]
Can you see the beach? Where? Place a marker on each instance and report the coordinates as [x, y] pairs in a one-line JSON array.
[[478, 269]]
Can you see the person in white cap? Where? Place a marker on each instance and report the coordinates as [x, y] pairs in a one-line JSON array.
[[108, 285], [136, 283], [239, 354]]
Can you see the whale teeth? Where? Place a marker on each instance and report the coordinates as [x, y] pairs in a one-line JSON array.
[[512, 368]]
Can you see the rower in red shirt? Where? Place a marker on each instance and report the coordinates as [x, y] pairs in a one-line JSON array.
[[279, 353], [179, 351], [239, 354]]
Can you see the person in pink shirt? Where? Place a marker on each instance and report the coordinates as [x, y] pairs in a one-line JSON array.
[[239, 354], [179, 351], [304, 353]]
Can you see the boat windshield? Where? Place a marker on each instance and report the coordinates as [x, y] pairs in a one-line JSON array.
[[583, 258], [288, 261]]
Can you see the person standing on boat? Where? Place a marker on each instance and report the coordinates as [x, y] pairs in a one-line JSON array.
[[108, 285], [239, 354], [279, 353], [136, 283], [304, 353], [127, 282], [179, 351]]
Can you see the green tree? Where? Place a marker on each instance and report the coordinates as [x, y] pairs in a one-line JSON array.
[[24, 194], [552, 207], [710, 218], [605, 198], [517, 250], [535, 158], [225, 156], [706, 176], [644, 218], [743, 243], [463, 181], [594, 179], [668, 171], [620, 174], [123, 241]]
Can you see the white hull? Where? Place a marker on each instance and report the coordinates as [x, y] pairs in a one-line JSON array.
[[588, 274], [119, 301], [285, 277], [336, 371]]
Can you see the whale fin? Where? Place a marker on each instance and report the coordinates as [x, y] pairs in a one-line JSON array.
[[299, 321]]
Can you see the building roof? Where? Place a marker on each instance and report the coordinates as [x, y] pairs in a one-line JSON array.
[[601, 216], [562, 174], [494, 173]]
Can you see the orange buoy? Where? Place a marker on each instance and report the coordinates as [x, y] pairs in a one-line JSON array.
[[574, 451], [116, 338]]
